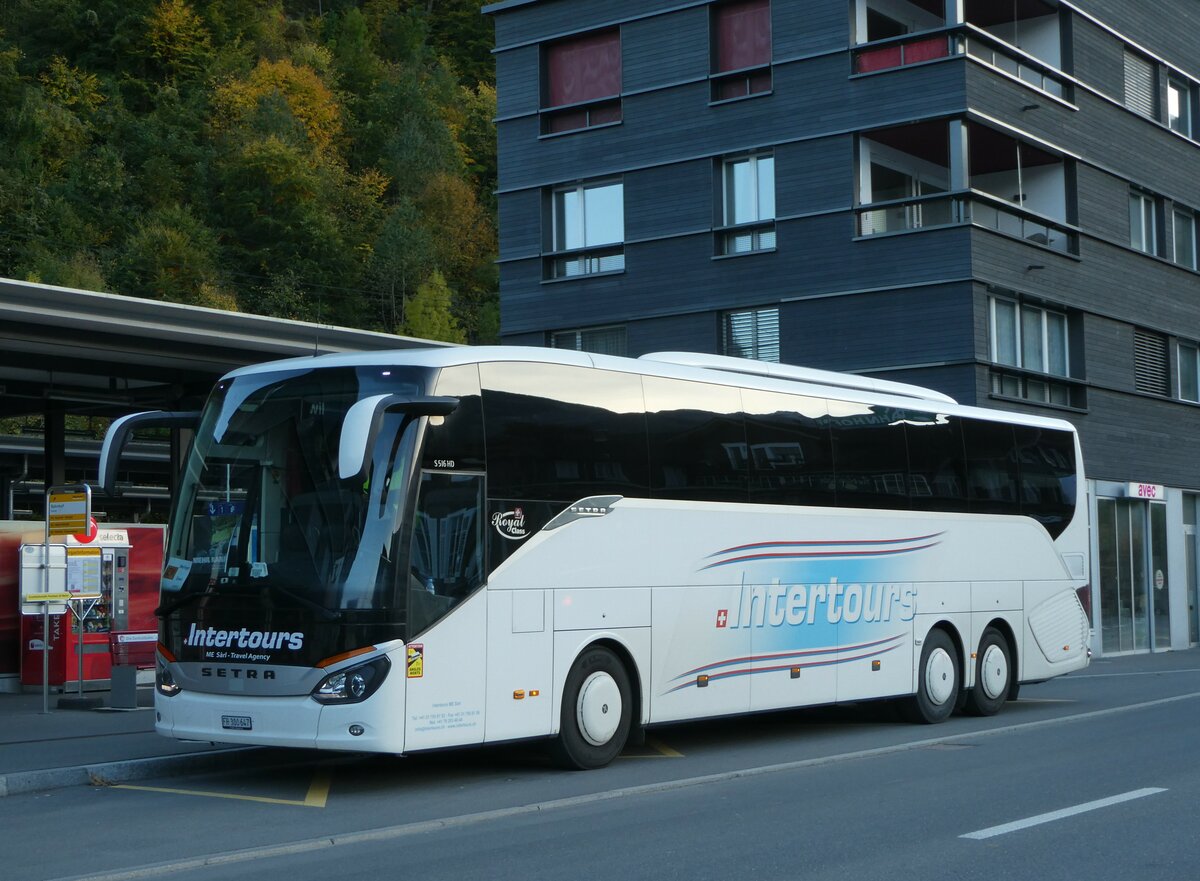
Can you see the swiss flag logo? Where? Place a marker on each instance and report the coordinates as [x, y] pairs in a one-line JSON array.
[[722, 617]]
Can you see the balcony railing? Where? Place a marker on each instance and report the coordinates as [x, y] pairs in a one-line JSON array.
[[965, 207], [986, 48], [922, 212], [898, 54], [992, 213], [962, 40]]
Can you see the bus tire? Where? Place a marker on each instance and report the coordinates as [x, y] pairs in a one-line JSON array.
[[993, 674], [596, 711], [938, 681]]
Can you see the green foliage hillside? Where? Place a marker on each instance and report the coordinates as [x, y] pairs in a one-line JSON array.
[[317, 160]]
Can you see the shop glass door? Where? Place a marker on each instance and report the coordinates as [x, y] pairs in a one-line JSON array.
[[1134, 612]]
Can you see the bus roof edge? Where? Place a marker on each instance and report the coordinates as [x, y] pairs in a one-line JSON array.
[[798, 374]]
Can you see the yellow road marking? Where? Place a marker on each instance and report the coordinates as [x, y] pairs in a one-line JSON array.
[[663, 748], [663, 751], [318, 792]]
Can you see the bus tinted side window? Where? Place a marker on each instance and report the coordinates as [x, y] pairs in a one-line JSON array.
[[697, 441], [871, 455], [790, 450], [1046, 462], [561, 433], [456, 440], [937, 471], [991, 467]]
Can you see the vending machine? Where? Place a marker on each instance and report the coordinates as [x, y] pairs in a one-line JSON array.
[[97, 567]]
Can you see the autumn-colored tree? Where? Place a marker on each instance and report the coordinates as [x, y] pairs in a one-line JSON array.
[[177, 39], [299, 88], [328, 161]]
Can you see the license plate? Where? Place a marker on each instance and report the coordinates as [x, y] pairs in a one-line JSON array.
[[237, 723]]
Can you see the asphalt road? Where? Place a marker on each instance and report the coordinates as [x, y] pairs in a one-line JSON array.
[[1092, 776]]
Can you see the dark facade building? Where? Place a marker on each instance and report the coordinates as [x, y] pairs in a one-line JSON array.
[[997, 200]]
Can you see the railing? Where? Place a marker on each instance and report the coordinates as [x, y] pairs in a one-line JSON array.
[[922, 212], [962, 40], [963, 207], [894, 53], [746, 238], [573, 117], [585, 261], [1041, 388], [978, 45], [987, 211]]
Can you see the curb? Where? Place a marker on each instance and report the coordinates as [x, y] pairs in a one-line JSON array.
[[111, 773]]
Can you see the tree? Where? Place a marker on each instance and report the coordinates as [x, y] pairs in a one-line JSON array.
[[280, 84], [177, 39], [428, 315], [173, 256]]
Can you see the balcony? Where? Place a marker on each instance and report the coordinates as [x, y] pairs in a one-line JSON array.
[[1022, 40], [910, 179]]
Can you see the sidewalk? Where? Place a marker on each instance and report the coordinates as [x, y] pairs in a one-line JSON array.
[[40, 751]]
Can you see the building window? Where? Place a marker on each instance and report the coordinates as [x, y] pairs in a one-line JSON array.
[[1149, 362], [582, 82], [748, 205], [1143, 222], [1189, 372], [1031, 340], [601, 340], [588, 225], [1139, 84], [1183, 233], [741, 49], [752, 333], [1179, 106]]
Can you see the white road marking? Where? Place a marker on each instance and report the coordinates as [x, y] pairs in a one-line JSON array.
[[420, 827], [1072, 678], [993, 831]]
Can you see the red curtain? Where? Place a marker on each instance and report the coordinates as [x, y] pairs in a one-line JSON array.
[[587, 68], [743, 32]]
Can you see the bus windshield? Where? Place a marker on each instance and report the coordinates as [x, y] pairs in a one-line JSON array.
[[261, 509]]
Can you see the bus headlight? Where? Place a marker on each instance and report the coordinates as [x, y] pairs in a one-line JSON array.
[[352, 685], [163, 680]]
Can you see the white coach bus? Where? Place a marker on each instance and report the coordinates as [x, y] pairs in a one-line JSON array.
[[414, 550]]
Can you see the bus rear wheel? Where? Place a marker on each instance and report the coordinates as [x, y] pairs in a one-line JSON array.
[[993, 674], [938, 681], [596, 711]]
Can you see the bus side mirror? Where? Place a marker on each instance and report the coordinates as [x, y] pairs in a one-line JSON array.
[[121, 430], [364, 419]]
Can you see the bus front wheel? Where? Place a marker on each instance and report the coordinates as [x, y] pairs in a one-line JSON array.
[[938, 681], [993, 675], [596, 711]]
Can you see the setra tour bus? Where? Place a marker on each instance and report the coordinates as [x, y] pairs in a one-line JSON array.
[[414, 550]]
